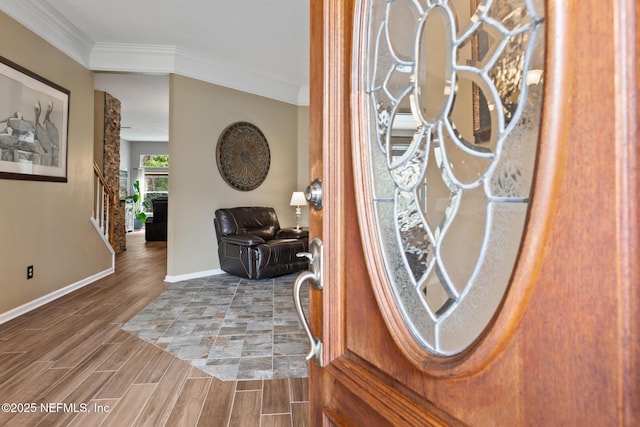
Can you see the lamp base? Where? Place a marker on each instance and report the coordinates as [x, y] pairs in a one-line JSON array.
[[298, 214]]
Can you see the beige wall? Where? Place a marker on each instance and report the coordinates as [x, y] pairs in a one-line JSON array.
[[303, 159], [46, 224], [199, 112]]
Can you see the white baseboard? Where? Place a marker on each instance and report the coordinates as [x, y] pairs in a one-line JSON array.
[[32, 305], [189, 276], [105, 241]]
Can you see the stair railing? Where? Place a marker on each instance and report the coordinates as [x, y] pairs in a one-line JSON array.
[[103, 200]]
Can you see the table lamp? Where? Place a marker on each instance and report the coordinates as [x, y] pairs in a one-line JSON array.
[[298, 199]]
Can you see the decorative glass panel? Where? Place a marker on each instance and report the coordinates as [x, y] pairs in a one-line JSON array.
[[450, 96]]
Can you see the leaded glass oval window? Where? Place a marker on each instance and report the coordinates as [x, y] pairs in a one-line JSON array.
[[447, 108]]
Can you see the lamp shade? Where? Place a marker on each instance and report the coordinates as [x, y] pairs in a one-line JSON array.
[[298, 199]]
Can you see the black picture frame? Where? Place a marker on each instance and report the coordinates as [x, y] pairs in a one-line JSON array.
[[34, 125]]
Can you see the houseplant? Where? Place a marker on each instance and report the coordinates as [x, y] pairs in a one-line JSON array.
[[138, 205]]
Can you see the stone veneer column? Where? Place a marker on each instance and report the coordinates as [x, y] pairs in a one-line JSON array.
[[111, 168]]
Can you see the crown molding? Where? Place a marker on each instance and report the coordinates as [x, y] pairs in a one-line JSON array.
[[174, 59], [47, 23], [221, 72], [133, 58]]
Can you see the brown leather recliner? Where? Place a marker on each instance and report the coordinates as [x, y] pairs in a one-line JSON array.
[[251, 243]]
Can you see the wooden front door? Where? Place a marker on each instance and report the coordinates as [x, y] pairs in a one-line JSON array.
[[563, 348]]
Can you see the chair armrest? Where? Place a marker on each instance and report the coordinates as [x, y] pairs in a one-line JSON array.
[[243, 239], [291, 233]]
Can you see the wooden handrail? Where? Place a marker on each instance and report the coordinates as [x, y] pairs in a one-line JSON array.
[[98, 172]]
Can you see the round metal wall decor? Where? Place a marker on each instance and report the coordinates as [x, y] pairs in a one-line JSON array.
[[243, 156]]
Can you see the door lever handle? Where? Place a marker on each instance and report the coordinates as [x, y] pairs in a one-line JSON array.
[[314, 277]]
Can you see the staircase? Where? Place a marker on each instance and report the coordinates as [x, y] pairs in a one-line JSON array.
[[104, 201]]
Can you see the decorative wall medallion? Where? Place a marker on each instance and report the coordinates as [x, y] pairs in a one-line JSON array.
[[243, 156]]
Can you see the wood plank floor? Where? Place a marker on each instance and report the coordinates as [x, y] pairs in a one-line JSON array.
[[69, 363]]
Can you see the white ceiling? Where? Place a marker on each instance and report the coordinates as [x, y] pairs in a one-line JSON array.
[[261, 47], [144, 100]]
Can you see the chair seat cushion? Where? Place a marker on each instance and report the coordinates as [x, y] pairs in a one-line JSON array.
[[291, 233]]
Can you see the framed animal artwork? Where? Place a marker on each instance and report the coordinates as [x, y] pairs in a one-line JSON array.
[[34, 120]]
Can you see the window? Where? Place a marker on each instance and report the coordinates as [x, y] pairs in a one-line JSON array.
[[155, 182]]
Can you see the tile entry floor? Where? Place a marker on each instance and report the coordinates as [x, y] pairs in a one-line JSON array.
[[229, 327]]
